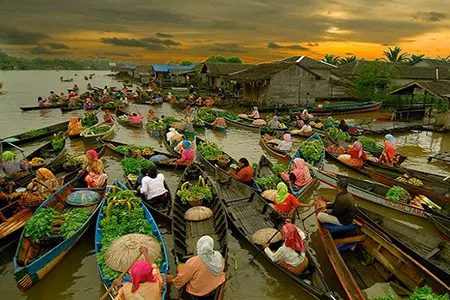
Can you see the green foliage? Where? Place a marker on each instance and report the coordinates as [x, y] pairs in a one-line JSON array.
[[347, 60], [371, 145], [395, 55], [207, 115], [73, 220], [88, 119], [268, 182], [278, 168], [186, 63], [139, 149], [331, 59], [145, 164], [209, 150], [222, 59], [98, 130], [414, 58], [338, 134], [328, 122], [228, 115], [234, 60], [388, 297], [312, 151], [426, 293], [195, 192], [32, 133], [155, 125], [398, 194], [130, 166], [40, 224], [58, 141]]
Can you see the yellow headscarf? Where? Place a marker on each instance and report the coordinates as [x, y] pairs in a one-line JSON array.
[[282, 192], [46, 174]]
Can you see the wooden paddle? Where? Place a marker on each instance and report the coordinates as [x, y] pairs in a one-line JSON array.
[[121, 276]]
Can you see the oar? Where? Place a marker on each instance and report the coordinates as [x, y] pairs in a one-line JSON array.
[[121, 276], [268, 242]]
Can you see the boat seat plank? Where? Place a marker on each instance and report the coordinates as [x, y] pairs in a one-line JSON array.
[[337, 228], [195, 230], [351, 239], [432, 253]]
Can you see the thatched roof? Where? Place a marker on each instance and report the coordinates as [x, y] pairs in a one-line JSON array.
[[437, 88], [221, 69]]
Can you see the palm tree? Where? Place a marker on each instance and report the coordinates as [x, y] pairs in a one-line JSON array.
[[395, 55], [415, 58], [331, 59], [347, 60]]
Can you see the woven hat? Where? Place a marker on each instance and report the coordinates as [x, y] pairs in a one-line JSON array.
[[198, 213], [123, 250], [262, 236], [269, 194]]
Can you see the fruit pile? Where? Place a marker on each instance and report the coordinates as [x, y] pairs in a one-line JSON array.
[[410, 180], [336, 150]]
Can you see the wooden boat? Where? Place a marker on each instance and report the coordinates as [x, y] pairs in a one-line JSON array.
[[170, 163], [341, 108], [168, 146], [155, 231], [126, 123], [428, 250], [67, 109], [186, 233], [243, 208], [271, 147], [247, 123], [92, 138], [34, 135], [442, 225], [374, 259], [32, 261], [224, 171], [214, 127], [49, 106]]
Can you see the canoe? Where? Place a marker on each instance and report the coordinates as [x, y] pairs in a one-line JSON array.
[[168, 146], [35, 134], [186, 233], [342, 108], [243, 208], [223, 171], [374, 259], [99, 240], [216, 128], [112, 145], [67, 109], [247, 123], [126, 123], [92, 138], [271, 147], [428, 250], [32, 261], [442, 225], [369, 191], [50, 106]]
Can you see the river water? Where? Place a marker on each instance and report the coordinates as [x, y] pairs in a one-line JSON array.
[[76, 276]]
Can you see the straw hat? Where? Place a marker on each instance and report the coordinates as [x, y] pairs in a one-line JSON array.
[[123, 250], [198, 213], [263, 235]]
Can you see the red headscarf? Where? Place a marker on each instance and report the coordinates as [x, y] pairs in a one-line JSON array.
[[141, 272], [92, 153], [292, 238]]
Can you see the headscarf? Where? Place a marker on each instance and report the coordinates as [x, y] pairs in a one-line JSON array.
[[343, 122], [282, 192], [73, 121], [255, 108], [141, 272], [391, 139], [287, 137], [212, 259], [8, 156], [171, 129], [299, 163], [46, 173], [358, 146], [187, 144], [92, 153], [292, 238], [305, 112], [275, 118]]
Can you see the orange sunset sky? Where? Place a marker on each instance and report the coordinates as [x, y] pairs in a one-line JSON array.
[[255, 30]]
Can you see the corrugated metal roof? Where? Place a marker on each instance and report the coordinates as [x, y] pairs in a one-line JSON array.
[[165, 68]]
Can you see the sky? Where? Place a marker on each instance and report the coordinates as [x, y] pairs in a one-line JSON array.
[[255, 30]]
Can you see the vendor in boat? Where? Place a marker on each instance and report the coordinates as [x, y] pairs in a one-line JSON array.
[[171, 133], [219, 121], [53, 98], [285, 203], [244, 173], [153, 187], [208, 102], [40, 188], [107, 117], [254, 114], [286, 144], [306, 128], [355, 156], [298, 123], [89, 86], [146, 281], [63, 98], [187, 154], [343, 126], [342, 211], [95, 169], [388, 156], [299, 175], [291, 255], [88, 105], [187, 111], [151, 116], [305, 116], [203, 273], [135, 118], [42, 102], [275, 123], [76, 89], [199, 101], [11, 165], [74, 126]]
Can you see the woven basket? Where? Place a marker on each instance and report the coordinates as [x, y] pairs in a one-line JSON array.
[[196, 201], [223, 163]]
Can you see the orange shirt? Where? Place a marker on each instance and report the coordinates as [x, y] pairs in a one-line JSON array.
[[146, 291], [289, 204], [198, 279], [245, 174]]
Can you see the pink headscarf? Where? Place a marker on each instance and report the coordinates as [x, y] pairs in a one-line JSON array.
[[292, 238], [358, 146], [141, 272], [300, 164], [287, 137], [92, 153]]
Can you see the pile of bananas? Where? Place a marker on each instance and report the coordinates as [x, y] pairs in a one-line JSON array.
[[412, 180]]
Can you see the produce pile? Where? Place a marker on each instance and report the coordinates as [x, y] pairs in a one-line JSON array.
[[422, 293], [134, 166], [207, 115], [278, 168], [410, 180], [44, 223], [123, 118], [37, 162], [98, 130], [228, 115], [58, 141], [123, 215], [89, 119], [312, 151], [318, 125], [285, 118], [155, 125], [32, 133], [76, 161], [338, 134], [196, 191], [268, 182], [371, 145], [209, 150], [398, 194], [329, 122], [336, 150], [137, 149]]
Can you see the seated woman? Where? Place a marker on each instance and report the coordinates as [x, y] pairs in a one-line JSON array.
[[285, 203], [343, 126], [219, 121], [187, 111], [107, 117], [244, 173], [74, 126], [306, 128], [305, 116], [199, 101], [298, 123], [299, 175], [40, 188], [388, 156], [275, 124], [146, 281], [187, 154], [96, 176], [355, 156], [135, 118], [203, 273], [151, 116], [11, 165], [208, 102], [254, 114], [88, 105], [286, 144], [291, 255], [41, 102], [153, 187], [188, 126]]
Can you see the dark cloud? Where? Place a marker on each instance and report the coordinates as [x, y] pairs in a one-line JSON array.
[[116, 54], [45, 51], [57, 46], [155, 47], [430, 16], [273, 45], [310, 44], [163, 35], [150, 43], [124, 42], [228, 47], [15, 36], [165, 42]]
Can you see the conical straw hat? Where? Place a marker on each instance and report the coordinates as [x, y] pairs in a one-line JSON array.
[[198, 213], [269, 195], [123, 250], [262, 236]]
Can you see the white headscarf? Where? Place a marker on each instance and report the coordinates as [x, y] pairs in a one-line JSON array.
[[212, 259], [305, 112]]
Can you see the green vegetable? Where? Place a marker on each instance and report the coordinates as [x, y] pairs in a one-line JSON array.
[[207, 115], [338, 134], [278, 168], [228, 115], [73, 220], [98, 130], [130, 166], [426, 293], [58, 141], [312, 151], [329, 122], [268, 182], [398, 194], [88, 119], [155, 125], [40, 224], [188, 191], [388, 297], [32, 133], [145, 164], [209, 150], [371, 145]]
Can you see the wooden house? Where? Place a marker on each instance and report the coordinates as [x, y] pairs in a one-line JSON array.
[[215, 75]]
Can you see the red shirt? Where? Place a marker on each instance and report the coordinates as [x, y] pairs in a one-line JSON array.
[[289, 204], [245, 174]]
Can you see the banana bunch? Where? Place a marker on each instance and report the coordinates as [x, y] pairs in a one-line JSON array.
[[415, 181]]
